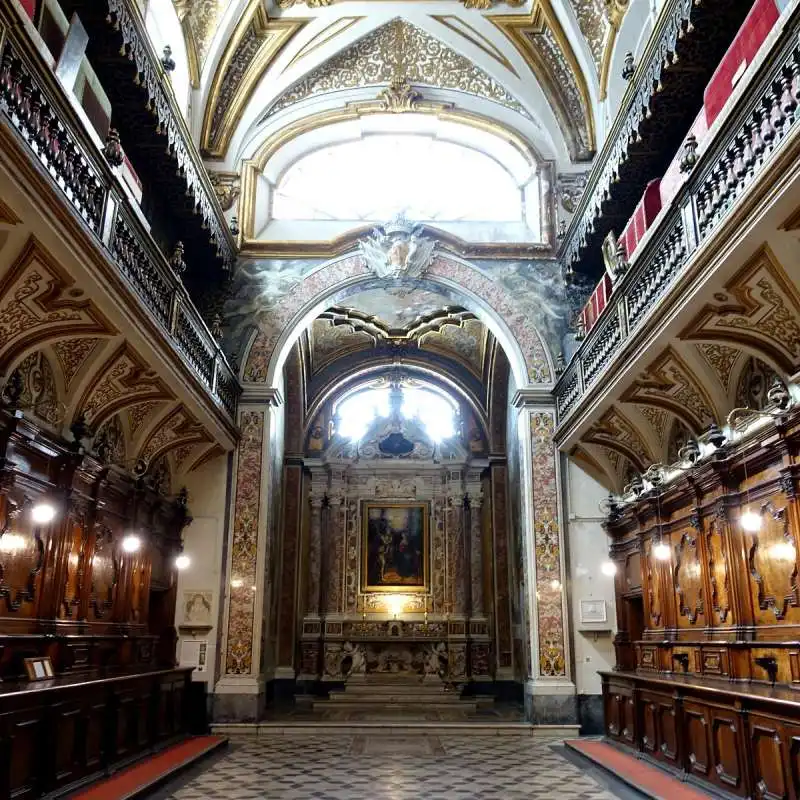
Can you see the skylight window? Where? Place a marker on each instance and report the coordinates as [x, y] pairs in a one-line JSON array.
[[381, 175], [435, 412]]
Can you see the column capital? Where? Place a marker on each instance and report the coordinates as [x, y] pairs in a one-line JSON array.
[[534, 396], [255, 394]]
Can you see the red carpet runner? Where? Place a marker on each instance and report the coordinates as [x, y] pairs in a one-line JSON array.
[[647, 779], [151, 771]]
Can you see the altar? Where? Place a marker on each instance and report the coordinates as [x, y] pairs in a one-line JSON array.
[[451, 651], [397, 553]]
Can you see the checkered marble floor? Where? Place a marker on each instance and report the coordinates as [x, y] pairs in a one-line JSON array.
[[348, 767]]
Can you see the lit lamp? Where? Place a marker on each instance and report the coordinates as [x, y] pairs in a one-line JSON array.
[[43, 513], [750, 521], [608, 568], [182, 562], [661, 551], [131, 543], [395, 603]]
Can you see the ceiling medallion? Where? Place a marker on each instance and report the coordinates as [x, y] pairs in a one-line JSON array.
[[398, 250], [400, 96]]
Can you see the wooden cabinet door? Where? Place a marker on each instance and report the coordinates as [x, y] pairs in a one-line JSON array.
[[768, 754], [23, 743], [613, 703], [697, 739], [659, 734], [727, 748], [628, 719]]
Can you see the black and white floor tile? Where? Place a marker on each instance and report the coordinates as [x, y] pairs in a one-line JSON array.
[[381, 767]]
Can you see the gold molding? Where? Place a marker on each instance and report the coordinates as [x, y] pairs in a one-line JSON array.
[[327, 34], [253, 167], [191, 53], [7, 215], [454, 24], [275, 34], [792, 222], [616, 13], [543, 17]]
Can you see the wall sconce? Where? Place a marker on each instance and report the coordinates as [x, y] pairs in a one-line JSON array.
[[131, 543], [608, 568], [43, 513], [182, 562]]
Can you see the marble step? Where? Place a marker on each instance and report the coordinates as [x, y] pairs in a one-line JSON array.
[[399, 708], [377, 698], [419, 689]]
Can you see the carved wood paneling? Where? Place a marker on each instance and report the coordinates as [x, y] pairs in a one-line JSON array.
[[652, 588], [719, 576], [689, 579], [772, 560]]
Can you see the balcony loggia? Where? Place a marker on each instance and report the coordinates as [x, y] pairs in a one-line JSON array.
[[681, 292]]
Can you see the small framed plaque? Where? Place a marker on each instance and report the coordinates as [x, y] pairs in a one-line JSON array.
[[39, 669], [593, 612]]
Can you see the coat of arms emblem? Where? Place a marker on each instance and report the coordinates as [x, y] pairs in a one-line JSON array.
[[398, 249]]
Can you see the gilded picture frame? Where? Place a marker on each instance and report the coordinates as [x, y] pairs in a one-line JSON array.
[[395, 547]]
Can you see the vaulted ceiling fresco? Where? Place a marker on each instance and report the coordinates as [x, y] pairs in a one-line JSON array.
[[546, 60]]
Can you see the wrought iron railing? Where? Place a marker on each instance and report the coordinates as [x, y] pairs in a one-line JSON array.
[[33, 104], [745, 142]]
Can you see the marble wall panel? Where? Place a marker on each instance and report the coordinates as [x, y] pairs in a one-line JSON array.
[[547, 542], [244, 545]]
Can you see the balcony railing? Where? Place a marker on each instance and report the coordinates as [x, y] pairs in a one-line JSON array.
[[35, 106], [126, 18], [688, 37], [746, 141]]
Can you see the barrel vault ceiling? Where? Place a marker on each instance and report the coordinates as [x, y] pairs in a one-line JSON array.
[[541, 63]]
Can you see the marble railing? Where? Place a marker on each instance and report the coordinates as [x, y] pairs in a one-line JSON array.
[[33, 104], [750, 136]]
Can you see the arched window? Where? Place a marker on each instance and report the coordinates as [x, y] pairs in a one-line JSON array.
[[437, 412], [379, 176]]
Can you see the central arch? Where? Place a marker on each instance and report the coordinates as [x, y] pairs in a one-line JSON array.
[[502, 312]]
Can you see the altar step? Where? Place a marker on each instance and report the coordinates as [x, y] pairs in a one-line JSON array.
[[395, 695]]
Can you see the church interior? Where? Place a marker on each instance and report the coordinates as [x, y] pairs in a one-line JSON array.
[[399, 399]]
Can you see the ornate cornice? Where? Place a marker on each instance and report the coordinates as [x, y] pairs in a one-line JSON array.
[[541, 41], [255, 43]]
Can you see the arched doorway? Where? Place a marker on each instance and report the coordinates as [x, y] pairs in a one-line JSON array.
[[272, 473]]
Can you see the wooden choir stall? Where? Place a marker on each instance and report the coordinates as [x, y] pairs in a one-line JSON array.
[[87, 604], [707, 682]]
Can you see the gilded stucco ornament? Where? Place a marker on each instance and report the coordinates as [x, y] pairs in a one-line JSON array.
[[227, 186], [397, 48], [400, 96], [398, 250]]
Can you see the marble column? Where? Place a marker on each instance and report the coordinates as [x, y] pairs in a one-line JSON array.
[[475, 495], [239, 693], [550, 690], [314, 557]]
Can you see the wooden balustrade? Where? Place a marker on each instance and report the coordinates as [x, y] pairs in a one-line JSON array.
[[751, 136], [33, 104]]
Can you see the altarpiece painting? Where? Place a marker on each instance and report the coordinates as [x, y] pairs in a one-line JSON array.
[[395, 552]]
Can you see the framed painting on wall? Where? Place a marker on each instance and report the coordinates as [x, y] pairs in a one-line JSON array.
[[395, 556]]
